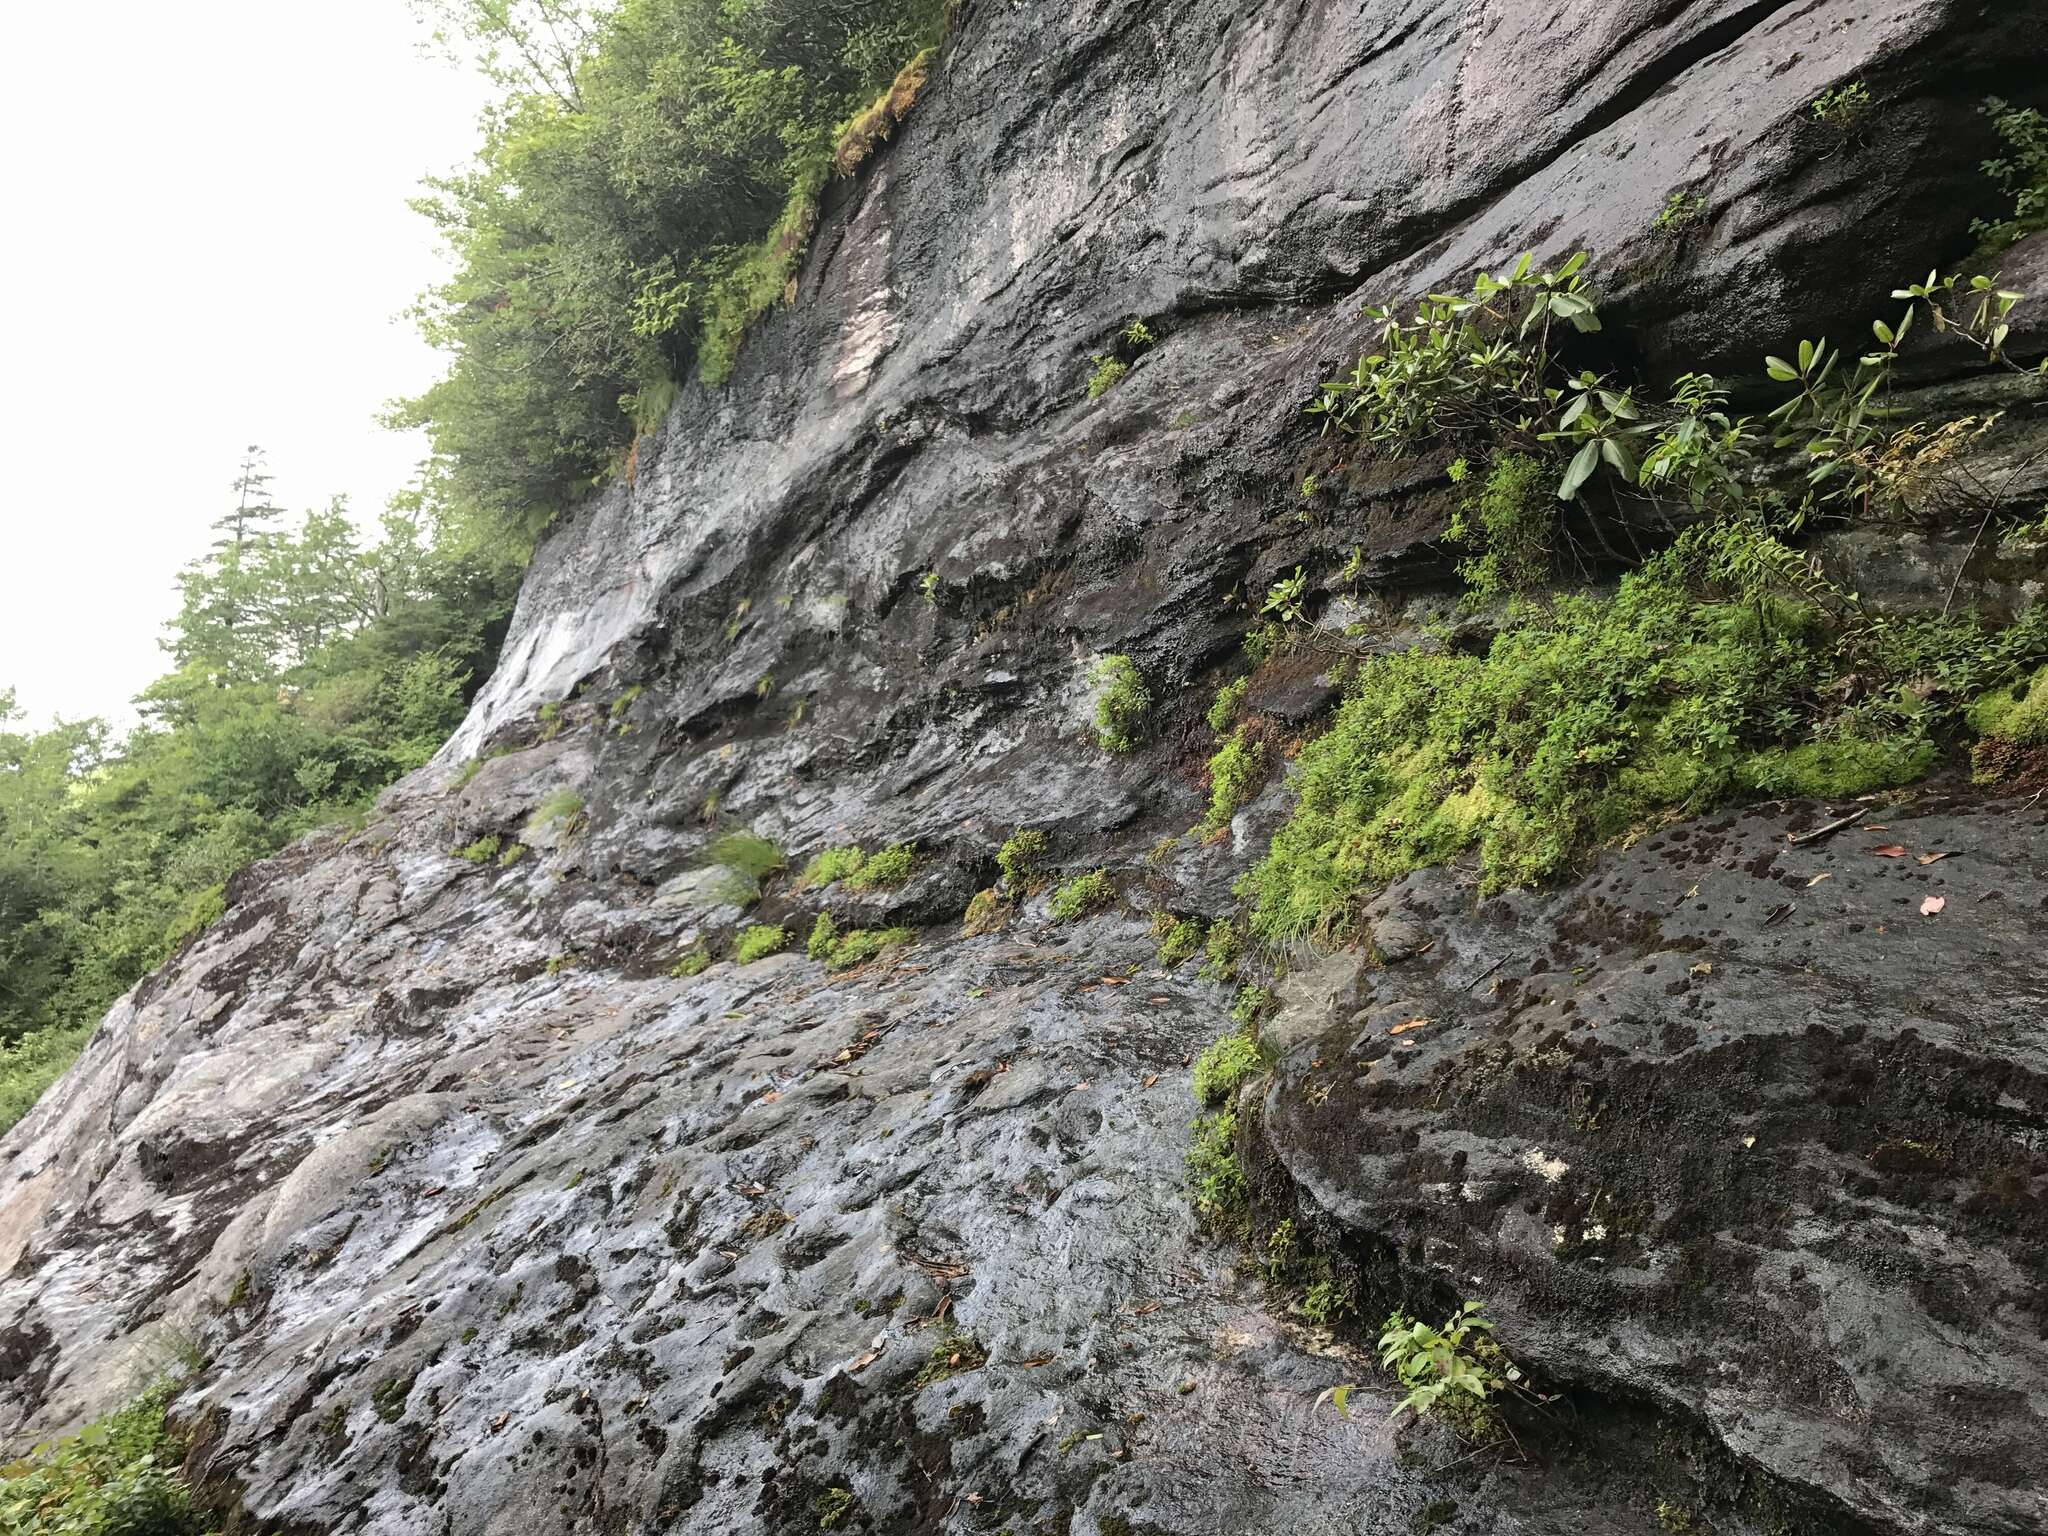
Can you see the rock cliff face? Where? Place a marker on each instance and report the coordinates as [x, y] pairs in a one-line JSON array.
[[486, 1222]]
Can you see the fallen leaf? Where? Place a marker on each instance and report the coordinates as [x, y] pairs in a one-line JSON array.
[[1402, 1029], [1933, 858], [1160, 999], [1932, 905], [501, 1421], [1077, 1087], [874, 1353], [1151, 1080], [773, 1095], [1816, 880], [1704, 968], [1116, 981], [1145, 1310], [1889, 851], [1779, 914]]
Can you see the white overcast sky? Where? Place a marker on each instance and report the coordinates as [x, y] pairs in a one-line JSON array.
[[206, 245]]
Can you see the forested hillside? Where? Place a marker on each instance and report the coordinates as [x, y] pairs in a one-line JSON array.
[[309, 669]]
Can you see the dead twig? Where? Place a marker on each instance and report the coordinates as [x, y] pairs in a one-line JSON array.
[[1850, 820]]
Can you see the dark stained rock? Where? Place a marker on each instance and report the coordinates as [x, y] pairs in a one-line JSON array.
[[489, 1223]]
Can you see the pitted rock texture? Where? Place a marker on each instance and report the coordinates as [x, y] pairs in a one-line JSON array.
[[487, 1222]]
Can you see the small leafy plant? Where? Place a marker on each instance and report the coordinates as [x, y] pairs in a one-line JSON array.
[[1843, 109], [2022, 173], [1457, 1362], [1019, 859], [1109, 370], [1680, 212]]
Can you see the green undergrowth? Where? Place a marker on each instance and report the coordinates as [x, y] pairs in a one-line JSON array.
[[759, 942], [1236, 773], [855, 946], [33, 1062], [1082, 895], [858, 870], [1121, 704], [1587, 718], [1224, 1066], [1215, 1175], [1019, 859], [116, 1477]]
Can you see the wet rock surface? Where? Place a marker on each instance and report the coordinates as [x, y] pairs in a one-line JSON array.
[[488, 1221]]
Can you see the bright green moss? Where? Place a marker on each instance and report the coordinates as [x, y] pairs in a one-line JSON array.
[[1235, 774], [483, 850], [1229, 699], [512, 855], [1587, 718], [1019, 859], [758, 942], [890, 867], [1083, 894], [1121, 704], [1222, 950], [695, 963], [754, 857], [824, 934], [833, 865]]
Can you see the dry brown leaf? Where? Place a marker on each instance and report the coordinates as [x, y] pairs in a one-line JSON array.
[[501, 1421], [1402, 1029], [1816, 880], [1150, 1080], [1078, 1087], [1889, 851], [1932, 905], [1144, 1310], [1116, 981], [1933, 858], [1704, 968]]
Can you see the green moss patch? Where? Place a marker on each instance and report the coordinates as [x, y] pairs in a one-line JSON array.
[[1083, 894]]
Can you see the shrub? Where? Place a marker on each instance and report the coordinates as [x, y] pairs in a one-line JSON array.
[[1223, 1065], [2022, 173], [758, 942], [115, 1477], [824, 934], [1083, 894], [1680, 212], [31, 1063], [890, 867], [1018, 859], [1121, 703]]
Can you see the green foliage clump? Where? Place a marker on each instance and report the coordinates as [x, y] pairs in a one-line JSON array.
[[563, 805], [833, 1506], [1251, 1003], [842, 951], [310, 670], [512, 855], [1235, 774], [1121, 703], [1180, 940], [1452, 1371], [1081, 895], [754, 857], [1262, 642], [1844, 108], [1109, 370], [1229, 699], [1222, 950], [1223, 1065], [1658, 699], [31, 1062], [1214, 1171], [483, 850], [116, 1477], [2022, 173], [694, 963], [1510, 524], [890, 867], [648, 182], [832, 866], [1019, 859], [759, 941], [1680, 212]]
